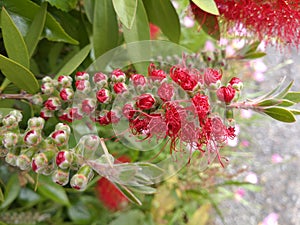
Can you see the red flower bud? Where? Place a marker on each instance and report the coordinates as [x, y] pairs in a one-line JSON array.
[[165, 91], [226, 94], [83, 86], [47, 88], [128, 111], [64, 159], [66, 94], [88, 105], [211, 76], [182, 77], [201, 105], [82, 75], [65, 81], [118, 76], [32, 138], [145, 101], [46, 114], [60, 137], [120, 87], [156, 74], [138, 80], [52, 104], [100, 79], [236, 83], [61, 177], [103, 96]]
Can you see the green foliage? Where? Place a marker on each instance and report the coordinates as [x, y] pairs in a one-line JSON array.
[[126, 11], [64, 5], [207, 6], [12, 191]]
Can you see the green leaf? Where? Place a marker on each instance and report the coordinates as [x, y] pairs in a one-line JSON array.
[[75, 61], [295, 112], [254, 55], [1, 195], [280, 114], [80, 213], [132, 217], [52, 191], [269, 102], [126, 11], [64, 5], [128, 194], [19, 75], [286, 103], [23, 13], [35, 30], [13, 41], [207, 6], [12, 191], [293, 96], [4, 84], [163, 14], [28, 197], [5, 111], [105, 27], [209, 24], [283, 92], [143, 189], [89, 6]]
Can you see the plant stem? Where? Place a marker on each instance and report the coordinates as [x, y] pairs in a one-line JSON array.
[[16, 96]]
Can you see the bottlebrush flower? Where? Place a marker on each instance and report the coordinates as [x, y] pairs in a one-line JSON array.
[[212, 77], [111, 197], [156, 74], [118, 75], [120, 87], [165, 91], [64, 81], [145, 101], [279, 19], [64, 159], [100, 79], [103, 96], [201, 105], [81, 75], [66, 94], [138, 80], [226, 94], [32, 138], [52, 104]]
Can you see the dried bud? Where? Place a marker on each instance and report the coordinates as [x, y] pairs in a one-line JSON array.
[[36, 123], [118, 76], [61, 177], [32, 137], [60, 137], [23, 162], [65, 81], [88, 105], [236, 83], [145, 101], [82, 76], [53, 104], [165, 91], [66, 94], [10, 140], [83, 86], [103, 96], [64, 159], [120, 87], [100, 79], [226, 94]]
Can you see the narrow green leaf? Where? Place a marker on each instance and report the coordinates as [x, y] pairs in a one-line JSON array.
[[23, 13], [19, 75], [252, 47], [74, 62], [254, 55], [286, 103], [105, 27], [280, 114], [128, 194], [52, 191], [12, 190], [4, 84], [207, 6], [272, 92], [126, 11], [282, 93], [13, 41], [295, 112], [89, 6], [1, 195], [293, 96], [64, 5], [36, 28], [269, 102], [163, 14], [143, 189]]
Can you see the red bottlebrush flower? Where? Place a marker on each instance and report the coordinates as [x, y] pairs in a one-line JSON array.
[[139, 126], [111, 197], [138, 80], [128, 111], [279, 19], [226, 94], [201, 105], [103, 96], [165, 91], [156, 74], [182, 77], [174, 116], [236, 83], [120, 87], [81, 75], [154, 30], [103, 120], [52, 104], [145, 101], [118, 75], [212, 76]]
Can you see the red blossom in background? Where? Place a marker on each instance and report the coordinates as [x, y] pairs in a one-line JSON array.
[[154, 31]]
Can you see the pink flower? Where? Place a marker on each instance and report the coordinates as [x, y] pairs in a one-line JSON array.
[[156, 74], [138, 80], [239, 194], [276, 158], [212, 76], [103, 96], [165, 91], [100, 79], [226, 94], [251, 178], [118, 75], [81, 75], [66, 94], [182, 77], [120, 87], [145, 101], [271, 219]]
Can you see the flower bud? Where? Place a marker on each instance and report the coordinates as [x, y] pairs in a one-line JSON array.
[[226, 94], [88, 105], [32, 137], [90, 142], [10, 122], [184, 78], [62, 126], [11, 159], [36, 123], [74, 113], [128, 111], [66, 94], [103, 120], [145, 101], [120, 87], [47, 79], [138, 80], [42, 162], [82, 75], [46, 113], [60, 137], [236, 83], [61, 176], [113, 117], [37, 100], [100, 79], [10, 140], [212, 77], [118, 76], [165, 91], [80, 180], [156, 75], [64, 81], [53, 104], [23, 162], [103, 96], [17, 114], [47, 88], [83, 86], [64, 159]]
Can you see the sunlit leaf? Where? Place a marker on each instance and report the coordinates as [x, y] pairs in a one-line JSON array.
[[280, 114], [126, 11], [19, 75], [207, 6]]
